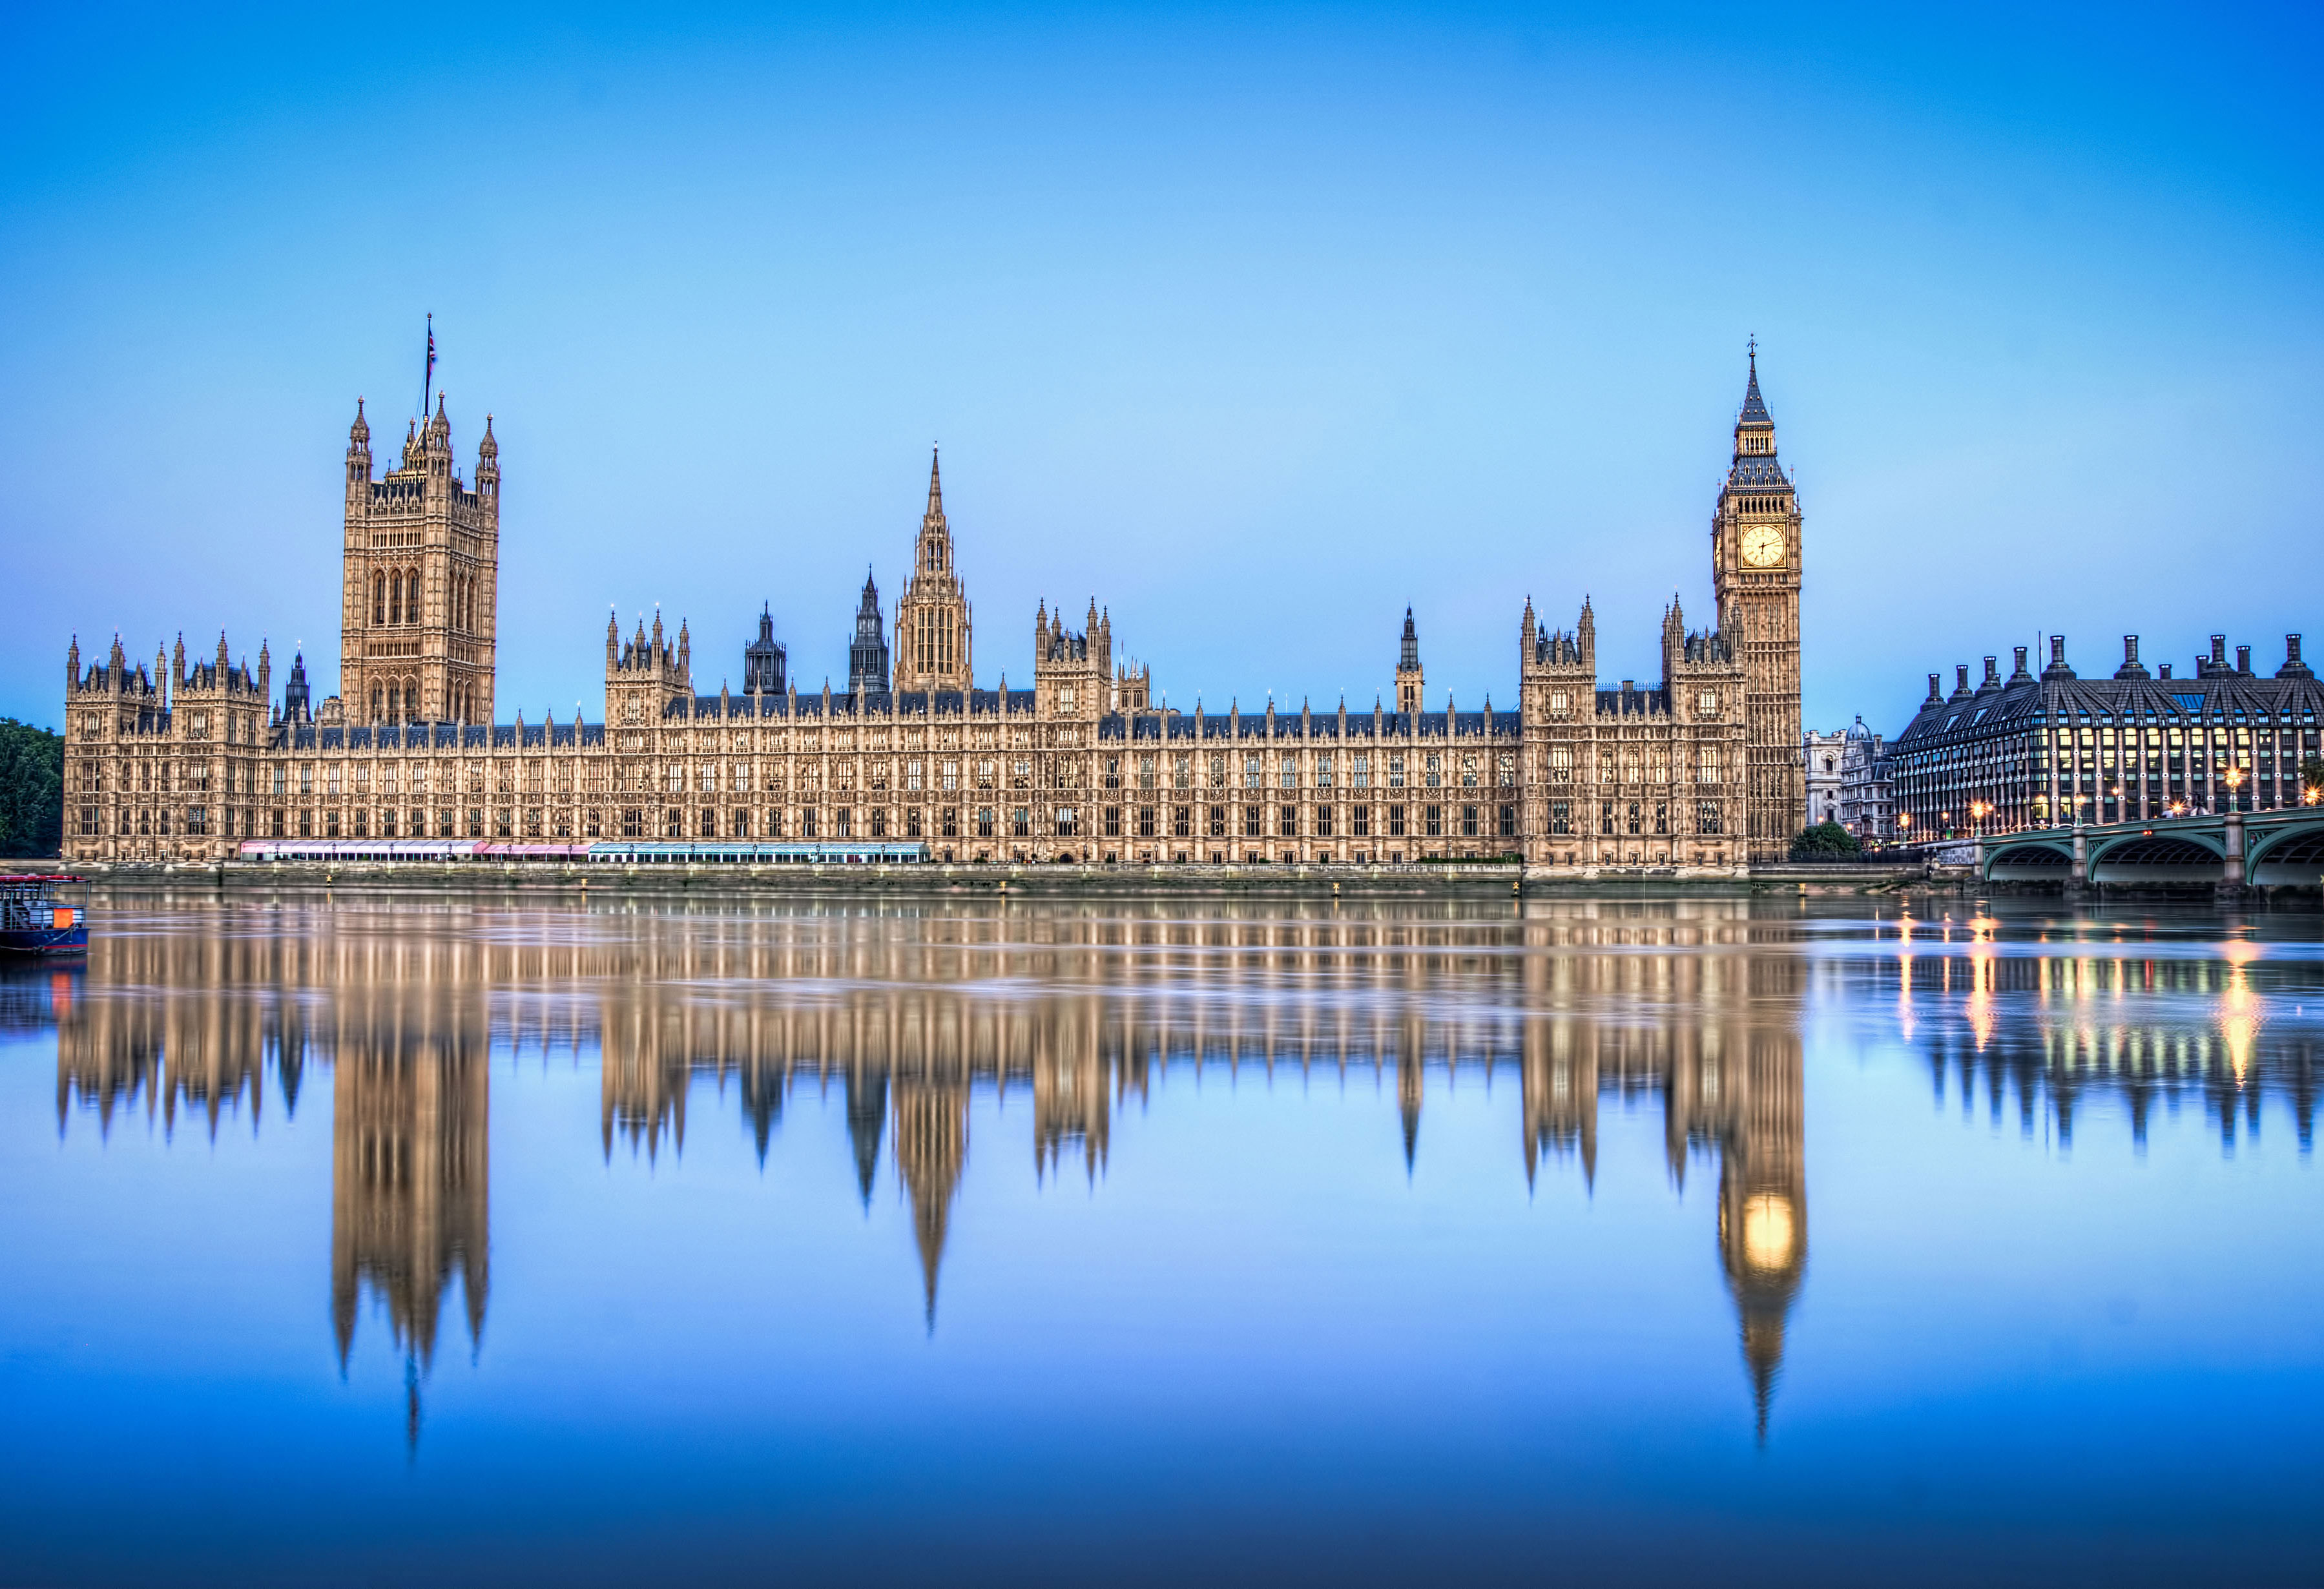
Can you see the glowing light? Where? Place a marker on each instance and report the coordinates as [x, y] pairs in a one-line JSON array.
[[1770, 1232]]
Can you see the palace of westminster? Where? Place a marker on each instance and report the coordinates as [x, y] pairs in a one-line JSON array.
[[1700, 772]]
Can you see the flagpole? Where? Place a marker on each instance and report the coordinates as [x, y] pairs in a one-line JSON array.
[[428, 382]]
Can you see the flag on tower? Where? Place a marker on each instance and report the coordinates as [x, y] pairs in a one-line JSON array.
[[428, 382]]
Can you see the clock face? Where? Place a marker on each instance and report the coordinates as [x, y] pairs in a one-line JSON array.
[[1763, 546]]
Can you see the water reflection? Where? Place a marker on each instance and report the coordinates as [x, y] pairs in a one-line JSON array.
[[2047, 1015], [410, 1162], [909, 1013]]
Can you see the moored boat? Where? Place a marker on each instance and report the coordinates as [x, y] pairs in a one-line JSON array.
[[35, 920]]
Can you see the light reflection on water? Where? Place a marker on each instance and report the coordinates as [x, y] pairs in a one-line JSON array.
[[839, 1050]]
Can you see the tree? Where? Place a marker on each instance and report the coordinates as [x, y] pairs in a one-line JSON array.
[[32, 790], [1826, 841], [2311, 776]]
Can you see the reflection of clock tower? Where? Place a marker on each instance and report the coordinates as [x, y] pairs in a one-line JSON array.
[[1755, 570]]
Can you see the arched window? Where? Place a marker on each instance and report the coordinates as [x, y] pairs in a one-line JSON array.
[[396, 598], [378, 598], [411, 595], [378, 703]]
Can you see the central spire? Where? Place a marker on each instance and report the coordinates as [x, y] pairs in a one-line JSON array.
[[932, 618], [1753, 425]]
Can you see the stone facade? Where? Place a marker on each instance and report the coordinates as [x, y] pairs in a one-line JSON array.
[[1868, 806], [1701, 770], [1823, 754], [421, 558]]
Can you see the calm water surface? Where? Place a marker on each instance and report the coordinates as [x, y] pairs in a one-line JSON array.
[[848, 1242]]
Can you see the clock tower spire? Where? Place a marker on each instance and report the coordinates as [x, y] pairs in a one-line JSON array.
[[1755, 570]]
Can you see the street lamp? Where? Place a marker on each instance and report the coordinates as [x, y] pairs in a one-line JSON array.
[[2234, 777]]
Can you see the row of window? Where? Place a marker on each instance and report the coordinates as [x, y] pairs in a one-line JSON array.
[[1637, 819], [395, 599], [1429, 821]]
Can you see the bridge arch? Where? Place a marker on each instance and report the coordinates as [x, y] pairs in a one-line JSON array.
[[2291, 855], [2177, 857], [2040, 861]]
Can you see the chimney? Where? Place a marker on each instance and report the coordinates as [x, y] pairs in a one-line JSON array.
[[1992, 673], [2219, 650], [2166, 671], [2019, 652], [2243, 660]]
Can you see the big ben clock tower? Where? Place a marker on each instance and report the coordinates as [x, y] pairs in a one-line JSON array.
[[1754, 572]]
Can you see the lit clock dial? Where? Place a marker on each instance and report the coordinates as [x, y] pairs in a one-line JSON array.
[[1763, 546]]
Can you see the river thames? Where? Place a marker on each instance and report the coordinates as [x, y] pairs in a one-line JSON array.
[[1159, 1239]]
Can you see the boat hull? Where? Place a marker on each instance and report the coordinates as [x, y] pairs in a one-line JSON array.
[[44, 940]]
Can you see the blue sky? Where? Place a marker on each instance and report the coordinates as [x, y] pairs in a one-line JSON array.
[[1256, 323]]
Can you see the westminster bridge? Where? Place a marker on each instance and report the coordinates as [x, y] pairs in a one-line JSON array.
[[2230, 851]]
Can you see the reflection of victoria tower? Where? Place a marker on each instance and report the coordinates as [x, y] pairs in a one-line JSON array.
[[408, 1161]]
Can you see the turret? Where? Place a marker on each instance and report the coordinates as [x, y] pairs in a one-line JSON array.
[[1408, 676], [358, 455], [764, 660], [437, 441], [297, 704], [867, 651], [1071, 672], [647, 678], [488, 462]]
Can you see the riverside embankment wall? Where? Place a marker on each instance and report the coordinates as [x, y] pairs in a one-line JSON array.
[[1478, 880]]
